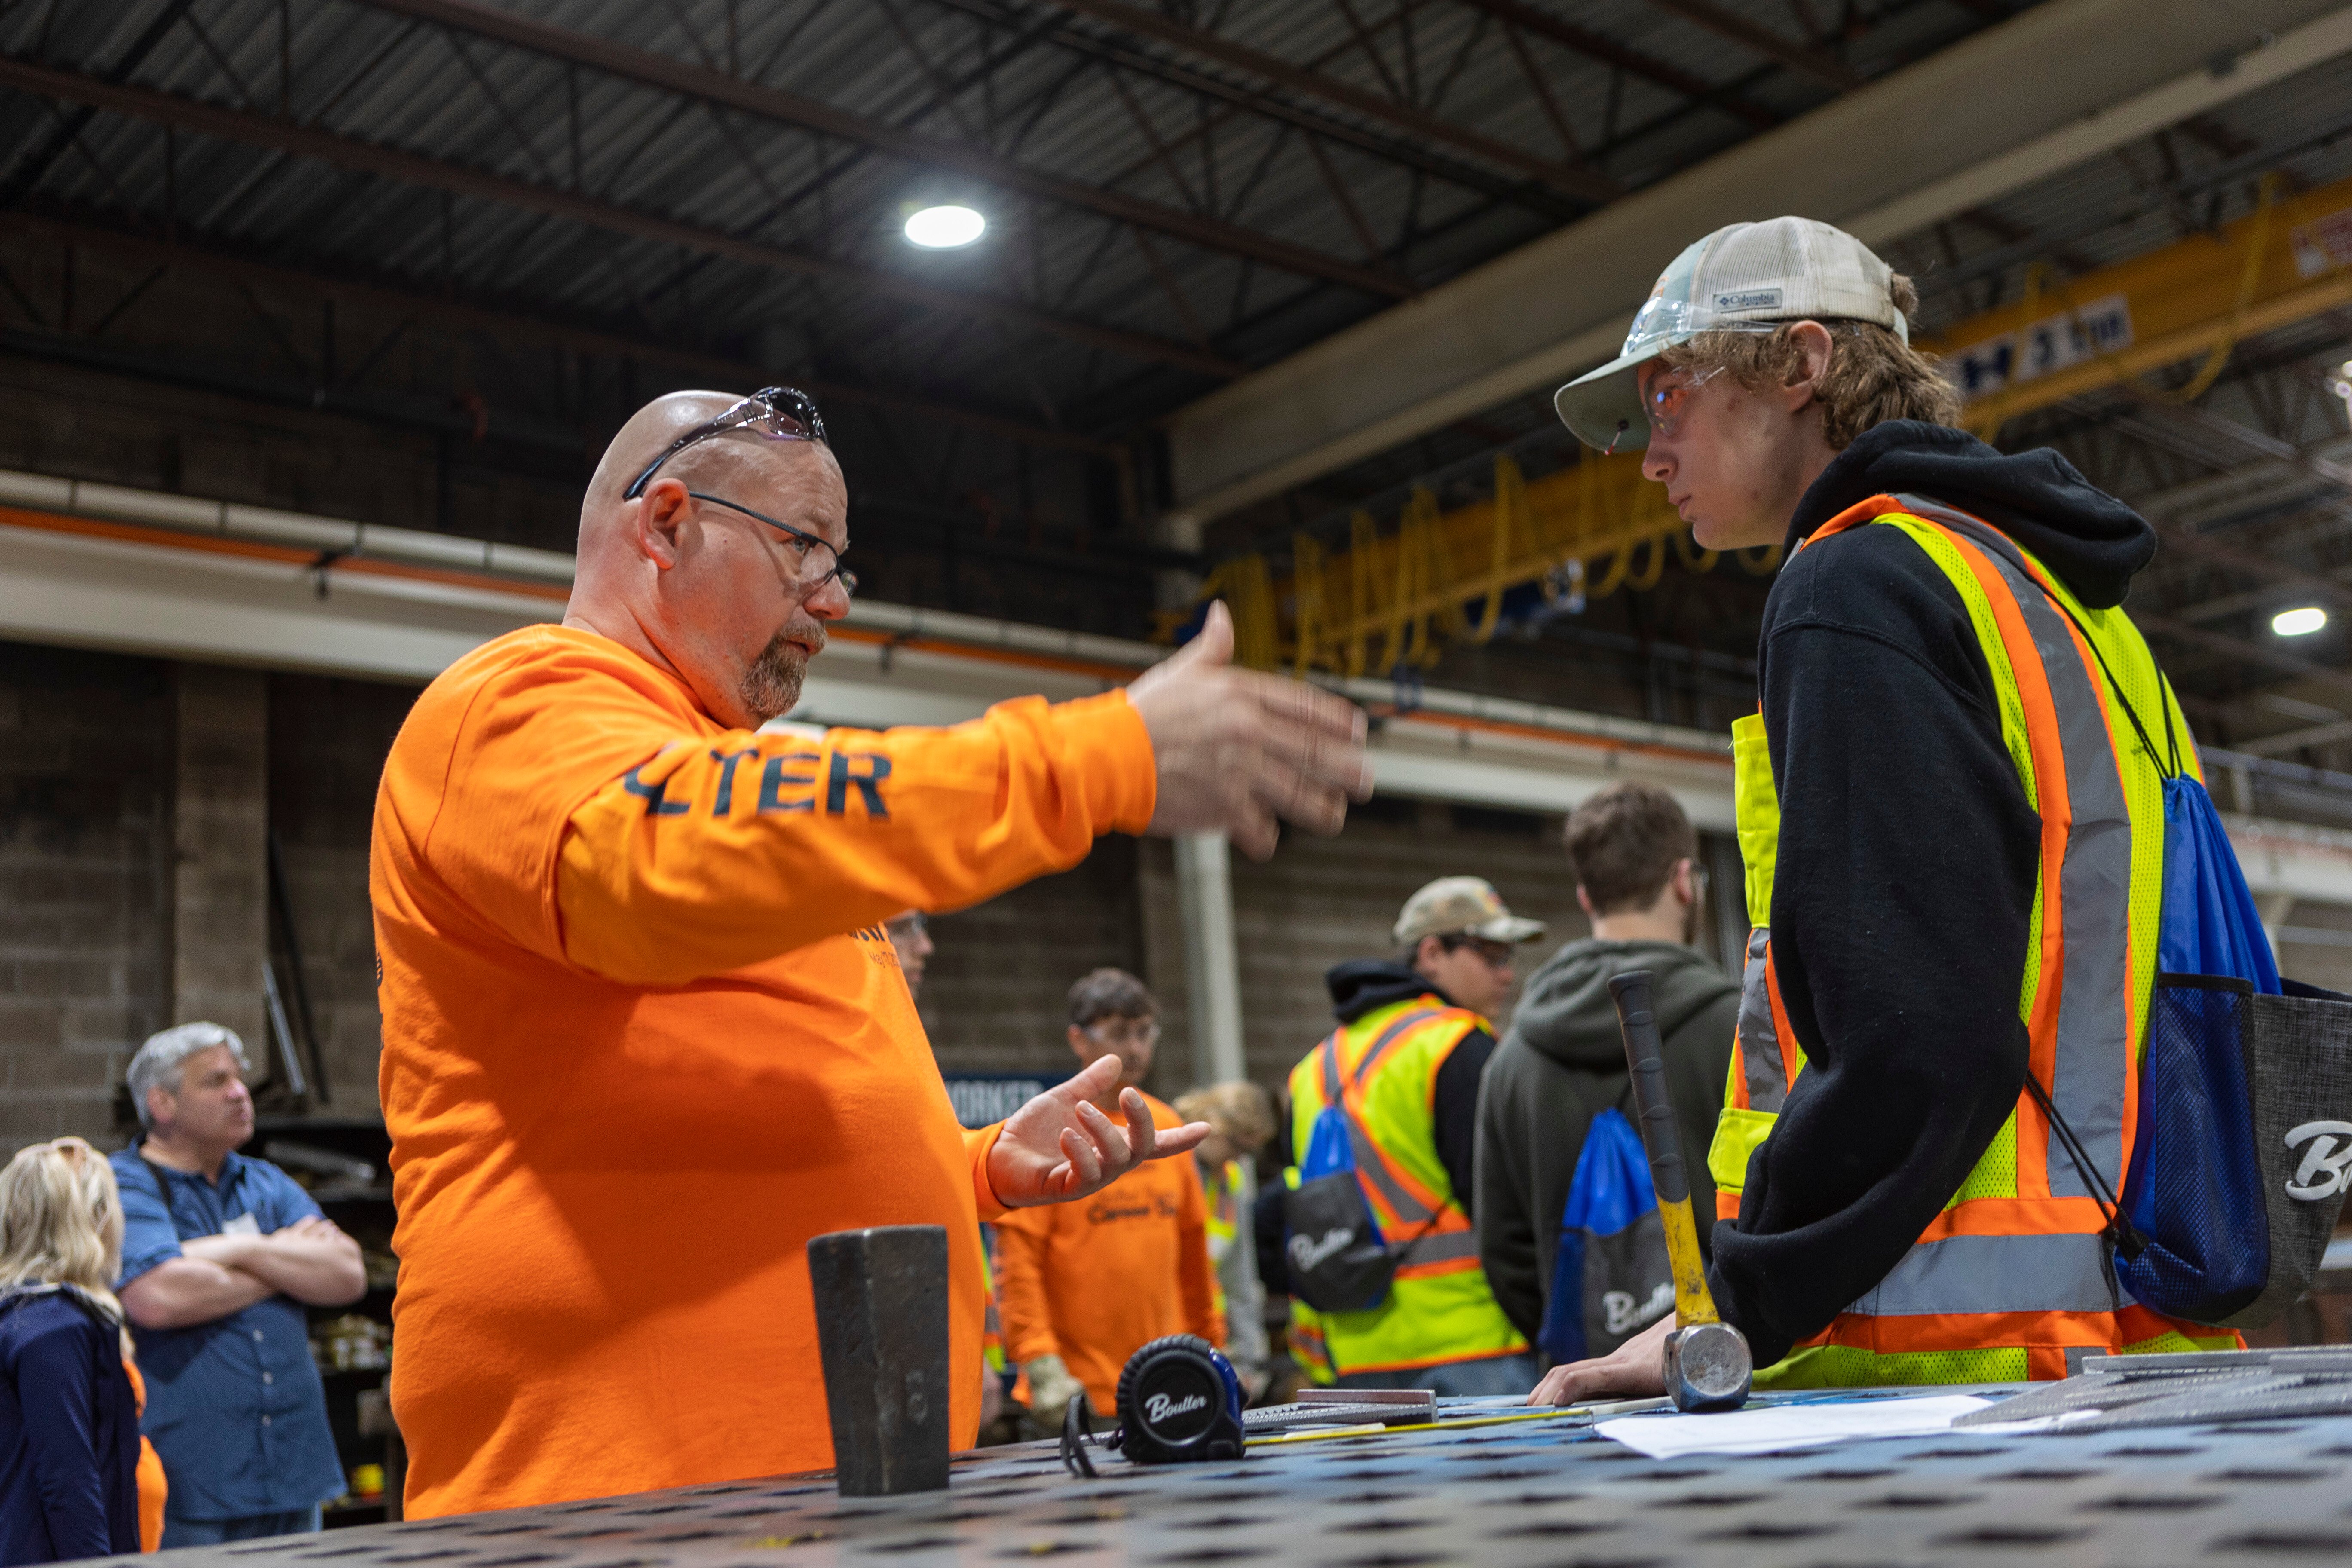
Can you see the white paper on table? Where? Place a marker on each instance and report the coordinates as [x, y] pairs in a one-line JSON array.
[[1772, 1427]]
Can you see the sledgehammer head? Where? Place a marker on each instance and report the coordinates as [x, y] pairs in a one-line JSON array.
[[1708, 1367]]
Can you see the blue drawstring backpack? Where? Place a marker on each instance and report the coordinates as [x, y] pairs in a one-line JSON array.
[[1338, 1258], [2245, 1086], [1610, 1278]]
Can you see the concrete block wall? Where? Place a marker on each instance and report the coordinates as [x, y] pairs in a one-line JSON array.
[[995, 997], [86, 765], [220, 834], [328, 739], [1321, 902]]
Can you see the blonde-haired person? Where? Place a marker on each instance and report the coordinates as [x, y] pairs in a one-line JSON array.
[[69, 1445], [1241, 1115], [1900, 1197]]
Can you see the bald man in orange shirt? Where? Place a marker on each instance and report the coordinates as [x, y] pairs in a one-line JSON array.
[[644, 1033]]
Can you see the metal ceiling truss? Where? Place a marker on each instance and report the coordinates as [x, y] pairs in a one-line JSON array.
[[459, 179]]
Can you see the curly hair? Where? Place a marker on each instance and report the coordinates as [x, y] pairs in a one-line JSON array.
[[1240, 1110], [1873, 374]]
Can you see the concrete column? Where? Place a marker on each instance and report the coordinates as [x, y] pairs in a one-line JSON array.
[[220, 876], [1212, 980]]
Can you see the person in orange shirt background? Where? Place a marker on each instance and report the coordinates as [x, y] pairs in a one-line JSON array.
[[1084, 1286], [635, 985]]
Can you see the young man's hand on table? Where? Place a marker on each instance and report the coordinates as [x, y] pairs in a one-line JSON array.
[[1635, 1369]]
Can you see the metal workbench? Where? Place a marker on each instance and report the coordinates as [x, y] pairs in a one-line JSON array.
[[1542, 1494]]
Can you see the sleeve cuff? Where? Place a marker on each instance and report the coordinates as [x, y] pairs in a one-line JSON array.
[[1109, 753], [978, 1145]]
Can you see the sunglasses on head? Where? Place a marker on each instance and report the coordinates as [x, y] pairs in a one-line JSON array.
[[777, 413]]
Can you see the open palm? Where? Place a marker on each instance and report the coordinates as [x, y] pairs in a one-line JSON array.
[[1060, 1146]]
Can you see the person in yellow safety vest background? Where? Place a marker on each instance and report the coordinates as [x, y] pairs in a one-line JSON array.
[[1242, 1118], [1413, 1038], [1952, 823]]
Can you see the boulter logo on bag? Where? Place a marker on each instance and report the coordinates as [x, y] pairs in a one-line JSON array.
[[1305, 1252], [2326, 1165]]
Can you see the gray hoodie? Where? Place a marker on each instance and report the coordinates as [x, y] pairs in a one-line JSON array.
[[1562, 1063]]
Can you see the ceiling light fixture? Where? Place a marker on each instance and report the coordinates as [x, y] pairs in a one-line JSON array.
[[944, 227], [2299, 622]]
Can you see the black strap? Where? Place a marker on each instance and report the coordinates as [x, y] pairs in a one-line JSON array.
[[163, 1188], [2120, 1232]]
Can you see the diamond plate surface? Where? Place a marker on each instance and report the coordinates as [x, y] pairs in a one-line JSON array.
[[1538, 1494]]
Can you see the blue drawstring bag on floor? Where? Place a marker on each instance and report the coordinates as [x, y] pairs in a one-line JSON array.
[[1610, 1278]]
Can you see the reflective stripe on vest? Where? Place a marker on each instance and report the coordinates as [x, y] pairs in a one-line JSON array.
[[1397, 1198], [1439, 1308], [2015, 1261]]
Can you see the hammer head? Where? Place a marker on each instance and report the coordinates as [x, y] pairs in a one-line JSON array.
[[1708, 1367]]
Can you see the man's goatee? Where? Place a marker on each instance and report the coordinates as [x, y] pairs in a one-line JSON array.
[[771, 687]]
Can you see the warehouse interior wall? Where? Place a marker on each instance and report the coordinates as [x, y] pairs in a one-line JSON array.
[[137, 794], [86, 774]]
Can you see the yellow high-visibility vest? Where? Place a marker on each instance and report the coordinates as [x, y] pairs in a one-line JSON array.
[[2014, 1273]]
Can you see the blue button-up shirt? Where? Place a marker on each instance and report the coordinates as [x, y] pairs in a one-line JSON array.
[[234, 1406]]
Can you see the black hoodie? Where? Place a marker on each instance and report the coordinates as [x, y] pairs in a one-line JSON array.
[[1906, 868], [1561, 1064]]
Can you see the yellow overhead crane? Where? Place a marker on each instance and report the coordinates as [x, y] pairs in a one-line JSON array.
[[1389, 600]]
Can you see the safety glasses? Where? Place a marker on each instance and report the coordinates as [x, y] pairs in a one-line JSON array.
[[802, 540], [777, 413], [1667, 399]]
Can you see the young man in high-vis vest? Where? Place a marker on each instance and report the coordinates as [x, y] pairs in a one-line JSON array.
[[1952, 826], [1411, 1045]]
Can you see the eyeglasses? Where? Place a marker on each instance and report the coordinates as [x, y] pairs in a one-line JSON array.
[[1125, 1032], [802, 540], [779, 412]]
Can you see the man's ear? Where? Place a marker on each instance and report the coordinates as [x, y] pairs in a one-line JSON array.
[[663, 511], [1084, 1047], [1584, 902]]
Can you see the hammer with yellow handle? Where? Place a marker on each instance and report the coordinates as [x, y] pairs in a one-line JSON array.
[[1707, 1363]]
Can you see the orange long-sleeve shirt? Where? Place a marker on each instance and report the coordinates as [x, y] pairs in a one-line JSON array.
[[644, 1037], [1094, 1282]]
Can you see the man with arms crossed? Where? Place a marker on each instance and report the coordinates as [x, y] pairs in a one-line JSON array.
[[220, 1255], [636, 989], [1953, 832]]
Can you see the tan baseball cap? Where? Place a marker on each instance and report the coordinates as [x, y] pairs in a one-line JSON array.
[[1452, 906], [1745, 277]]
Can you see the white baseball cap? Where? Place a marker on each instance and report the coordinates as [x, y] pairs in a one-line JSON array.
[[1745, 277]]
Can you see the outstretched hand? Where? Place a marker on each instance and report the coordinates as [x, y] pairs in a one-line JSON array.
[[1236, 749], [1059, 1146]]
